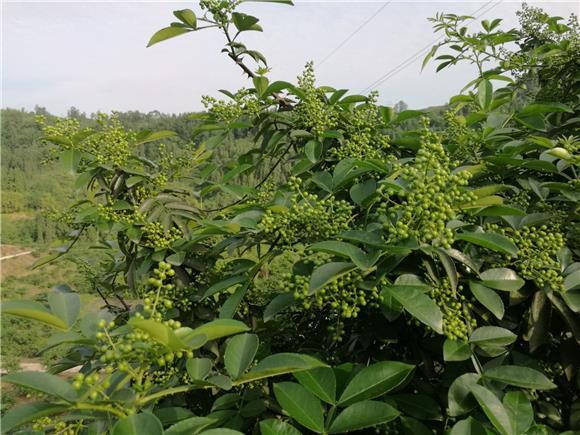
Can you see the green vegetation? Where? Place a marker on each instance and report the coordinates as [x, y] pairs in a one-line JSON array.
[[347, 268]]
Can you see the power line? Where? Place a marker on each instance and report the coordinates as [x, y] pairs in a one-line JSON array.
[[358, 29], [411, 59]]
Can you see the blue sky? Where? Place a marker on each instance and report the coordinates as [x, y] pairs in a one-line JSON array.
[[92, 55]]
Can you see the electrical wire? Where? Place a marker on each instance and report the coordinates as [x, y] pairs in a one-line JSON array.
[[358, 29], [414, 57]]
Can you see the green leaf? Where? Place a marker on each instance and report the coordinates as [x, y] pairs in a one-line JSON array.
[[327, 273], [519, 376], [488, 298], [469, 426], [484, 94], [362, 191], [32, 310], [493, 409], [232, 303], [167, 33], [278, 86], [301, 404], [492, 336], [198, 368], [418, 304], [320, 381], [535, 122], [187, 16], [520, 411], [375, 380], [43, 382], [501, 279], [493, 241], [542, 108], [277, 305], [572, 299], [220, 328], [147, 136], [419, 406], [221, 430], [365, 237], [280, 364], [344, 249], [363, 414], [224, 285], [456, 350], [239, 354], [244, 22], [144, 423], [25, 413], [459, 395], [172, 414], [261, 84], [572, 281], [414, 427], [189, 338], [65, 337], [501, 210], [159, 332], [313, 150], [190, 426], [429, 56], [65, 304], [277, 427], [70, 160], [176, 259], [540, 429], [350, 99], [405, 115]]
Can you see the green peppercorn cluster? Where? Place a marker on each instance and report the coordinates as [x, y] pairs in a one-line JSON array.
[[308, 218], [466, 145], [172, 165], [157, 237], [109, 214], [342, 298], [364, 138], [66, 217], [109, 144], [537, 258], [521, 199], [160, 294], [112, 144], [457, 320], [435, 195], [57, 426], [245, 103], [135, 353], [312, 112], [62, 127], [220, 10]]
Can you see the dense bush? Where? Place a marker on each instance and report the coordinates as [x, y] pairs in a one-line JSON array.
[[374, 279]]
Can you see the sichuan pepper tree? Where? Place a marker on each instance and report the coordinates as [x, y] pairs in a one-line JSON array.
[[393, 280]]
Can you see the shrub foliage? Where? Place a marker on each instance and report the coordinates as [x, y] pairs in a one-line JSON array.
[[381, 276]]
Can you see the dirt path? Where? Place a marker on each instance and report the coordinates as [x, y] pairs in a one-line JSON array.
[[34, 365], [19, 261], [15, 255]]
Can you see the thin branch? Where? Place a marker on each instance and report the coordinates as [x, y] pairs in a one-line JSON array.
[[255, 187]]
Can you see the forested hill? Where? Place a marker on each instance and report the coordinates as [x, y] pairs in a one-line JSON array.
[[30, 186]]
